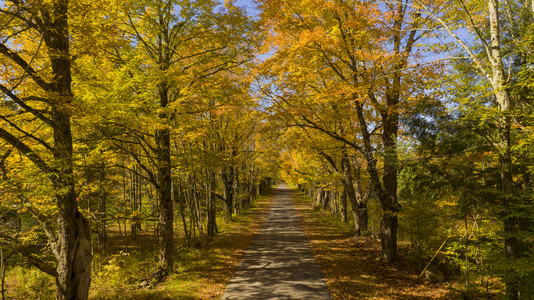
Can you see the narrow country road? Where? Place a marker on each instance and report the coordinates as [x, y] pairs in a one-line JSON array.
[[279, 264]]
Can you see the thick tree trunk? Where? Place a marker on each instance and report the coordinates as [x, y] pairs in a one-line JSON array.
[[165, 207], [74, 242], [73, 245], [164, 184], [502, 96], [389, 221], [387, 189], [73, 249], [388, 231]]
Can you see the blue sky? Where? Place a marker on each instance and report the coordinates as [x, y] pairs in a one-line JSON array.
[[249, 5]]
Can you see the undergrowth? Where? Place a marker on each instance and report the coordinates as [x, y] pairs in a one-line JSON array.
[[201, 270]]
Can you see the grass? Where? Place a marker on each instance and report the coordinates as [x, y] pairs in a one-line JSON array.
[[351, 264], [201, 272]]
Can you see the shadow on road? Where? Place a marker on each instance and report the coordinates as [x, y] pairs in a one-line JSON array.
[[279, 264]]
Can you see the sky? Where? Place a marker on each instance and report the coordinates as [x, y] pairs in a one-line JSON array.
[[249, 5]]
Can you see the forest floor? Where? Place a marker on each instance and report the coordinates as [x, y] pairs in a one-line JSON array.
[[202, 271], [350, 264], [352, 267]]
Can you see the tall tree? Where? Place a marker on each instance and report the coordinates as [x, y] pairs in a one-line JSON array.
[[174, 46], [356, 52], [37, 81], [493, 27]]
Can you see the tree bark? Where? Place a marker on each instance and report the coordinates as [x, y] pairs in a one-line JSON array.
[[165, 207], [344, 206], [211, 205], [502, 97], [3, 265], [102, 211], [357, 201], [74, 243], [228, 176], [351, 193]]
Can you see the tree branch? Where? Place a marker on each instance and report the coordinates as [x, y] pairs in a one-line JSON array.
[[25, 106], [25, 66], [27, 151], [30, 258], [477, 62]]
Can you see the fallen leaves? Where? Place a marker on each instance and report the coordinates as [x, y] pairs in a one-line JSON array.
[[352, 267]]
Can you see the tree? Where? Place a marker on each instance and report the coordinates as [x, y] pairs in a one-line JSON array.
[[172, 48], [354, 54], [493, 58], [37, 82]]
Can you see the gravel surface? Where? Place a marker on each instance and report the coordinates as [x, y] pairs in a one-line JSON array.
[[279, 264]]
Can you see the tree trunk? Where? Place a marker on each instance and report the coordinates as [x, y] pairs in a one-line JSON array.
[[236, 186], [165, 208], [502, 96], [388, 240], [358, 204], [326, 199], [102, 230], [387, 194], [228, 181], [364, 217], [180, 198], [344, 206], [3, 263], [211, 205], [389, 222], [196, 207], [74, 243], [164, 188]]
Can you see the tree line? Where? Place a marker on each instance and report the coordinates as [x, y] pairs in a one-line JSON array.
[[416, 117], [124, 115], [409, 119]]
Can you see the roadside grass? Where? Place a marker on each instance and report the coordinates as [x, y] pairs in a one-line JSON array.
[[201, 271], [352, 266]]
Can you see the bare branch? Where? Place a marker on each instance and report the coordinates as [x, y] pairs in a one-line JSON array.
[[477, 62], [8, 241], [40, 141]]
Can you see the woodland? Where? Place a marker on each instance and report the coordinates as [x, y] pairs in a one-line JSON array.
[[136, 134]]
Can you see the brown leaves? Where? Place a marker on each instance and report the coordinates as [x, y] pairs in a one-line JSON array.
[[352, 267]]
